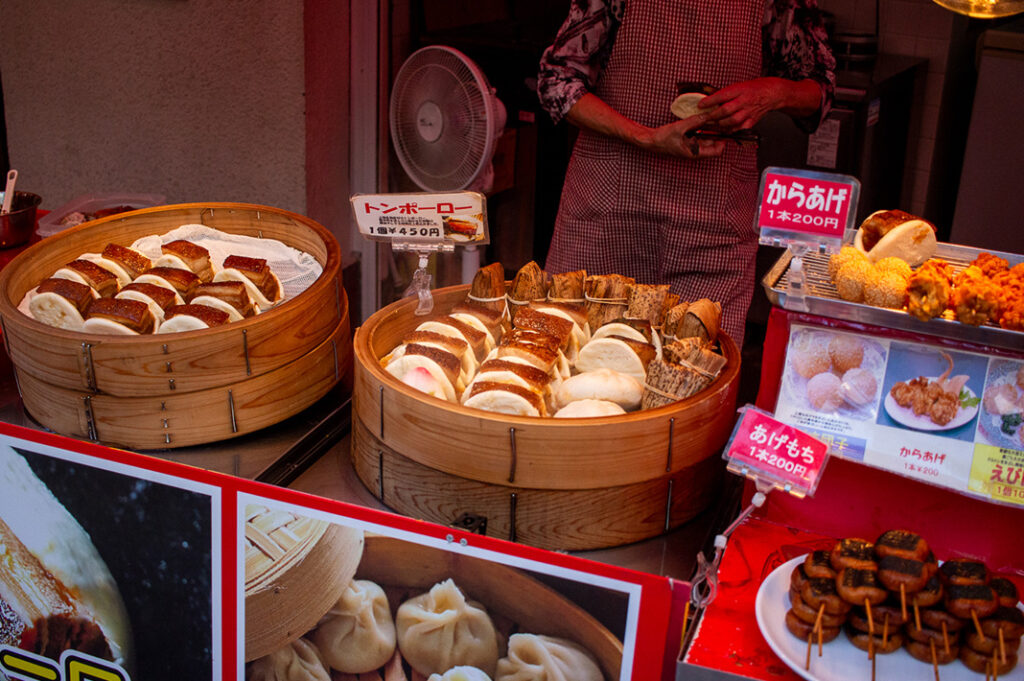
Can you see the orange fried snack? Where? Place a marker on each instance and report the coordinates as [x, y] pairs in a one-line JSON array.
[[929, 289], [976, 299]]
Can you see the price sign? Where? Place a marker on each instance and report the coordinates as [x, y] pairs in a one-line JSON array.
[[806, 207], [422, 218], [769, 450]]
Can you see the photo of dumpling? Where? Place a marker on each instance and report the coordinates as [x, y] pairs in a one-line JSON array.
[[357, 634], [417, 612], [532, 657], [297, 661], [440, 629]]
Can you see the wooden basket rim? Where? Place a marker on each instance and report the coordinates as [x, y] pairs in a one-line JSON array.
[[362, 349], [9, 309]]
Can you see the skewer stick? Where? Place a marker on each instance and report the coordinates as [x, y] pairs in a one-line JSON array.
[[977, 624], [988, 670], [871, 622], [945, 638], [885, 631], [810, 643], [995, 666], [917, 616], [903, 601], [1002, 646], [935, 658], [819, 627]]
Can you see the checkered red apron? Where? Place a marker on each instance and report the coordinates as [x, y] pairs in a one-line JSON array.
[[656, 218]]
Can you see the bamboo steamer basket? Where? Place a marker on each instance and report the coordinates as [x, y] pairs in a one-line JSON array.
[[185, 419], [570, 484], [532, 606], [165, 391], [296, 568], [129, 366]]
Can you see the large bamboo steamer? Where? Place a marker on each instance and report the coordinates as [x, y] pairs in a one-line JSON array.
[[184, 419], [654, 459], [532, 606], [175, 363]]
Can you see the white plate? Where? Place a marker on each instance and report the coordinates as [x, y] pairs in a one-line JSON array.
[[841, 660], [908, 418]]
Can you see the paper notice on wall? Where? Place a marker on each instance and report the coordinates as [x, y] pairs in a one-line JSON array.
[[941, 416], [823, 144]]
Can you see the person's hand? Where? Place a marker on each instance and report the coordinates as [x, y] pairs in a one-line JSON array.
[[741, 105], [672, 139]]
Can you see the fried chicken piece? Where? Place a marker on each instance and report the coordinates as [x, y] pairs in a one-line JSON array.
[[976, 300], [903, 393], [990, 264], [944, 408], [928, 294]]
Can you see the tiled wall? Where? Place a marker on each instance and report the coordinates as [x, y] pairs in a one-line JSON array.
[[909, 27]]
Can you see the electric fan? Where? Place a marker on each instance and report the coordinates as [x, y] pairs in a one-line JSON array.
[[445, 120]]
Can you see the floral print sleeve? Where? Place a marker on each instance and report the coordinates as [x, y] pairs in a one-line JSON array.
[[795, 46], [573, 63]]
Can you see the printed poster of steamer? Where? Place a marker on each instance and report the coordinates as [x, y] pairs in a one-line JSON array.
[[336, 598]]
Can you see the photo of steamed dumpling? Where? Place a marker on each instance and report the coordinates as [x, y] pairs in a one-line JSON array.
[[357, 634], [297, 661], [441, 629], [546, 658], [461, 674]]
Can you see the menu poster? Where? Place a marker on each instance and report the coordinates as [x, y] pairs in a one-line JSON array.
[[111, 571], [163, 571], [946, 417]]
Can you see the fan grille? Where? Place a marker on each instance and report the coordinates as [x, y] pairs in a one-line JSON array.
[[440, 118]]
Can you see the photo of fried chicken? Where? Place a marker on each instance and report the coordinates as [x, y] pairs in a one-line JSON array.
[[938, 399], [933, 389]]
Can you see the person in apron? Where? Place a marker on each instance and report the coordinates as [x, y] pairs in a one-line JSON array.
[[643, 199]]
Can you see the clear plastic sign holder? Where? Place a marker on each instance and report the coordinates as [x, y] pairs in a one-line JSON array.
[[423, 223], [774, 456], [805, 211]]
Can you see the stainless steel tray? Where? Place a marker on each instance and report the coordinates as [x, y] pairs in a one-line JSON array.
[[820, 298]]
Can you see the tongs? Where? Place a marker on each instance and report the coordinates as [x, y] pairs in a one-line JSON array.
[[741, 137]]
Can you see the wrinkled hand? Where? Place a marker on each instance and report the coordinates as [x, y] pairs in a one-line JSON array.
[[741, 105], [672, 139]]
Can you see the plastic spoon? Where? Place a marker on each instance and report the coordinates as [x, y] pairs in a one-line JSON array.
[[12, 177]]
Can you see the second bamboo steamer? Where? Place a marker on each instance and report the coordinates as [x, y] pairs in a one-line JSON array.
[[571, 484]]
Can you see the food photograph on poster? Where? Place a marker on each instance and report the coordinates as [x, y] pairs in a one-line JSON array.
[[933, 390], [127, 580], [834, 373], [332, 600], [1002, 413]]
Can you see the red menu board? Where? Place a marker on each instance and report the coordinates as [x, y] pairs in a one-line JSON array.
[[806, 206]]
